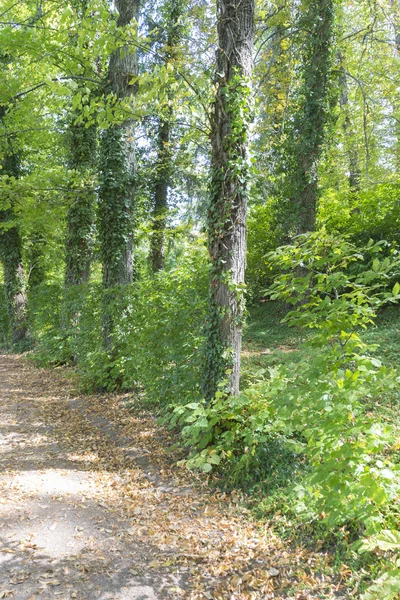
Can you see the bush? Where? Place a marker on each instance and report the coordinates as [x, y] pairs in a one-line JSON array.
[[157, 331], [316, 406]]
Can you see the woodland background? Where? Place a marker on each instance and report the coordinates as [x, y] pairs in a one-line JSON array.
[[134, 136]]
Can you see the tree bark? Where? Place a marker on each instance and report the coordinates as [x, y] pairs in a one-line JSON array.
[[118, 171], [15, 284], [311, 119], [160, 209], [349, 137], [118, 166], [396, 103], [11, 256], [229, 191], [172, 17], [34, 255], [80, 216]]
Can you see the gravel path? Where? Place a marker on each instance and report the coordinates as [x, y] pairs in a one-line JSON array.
[[94, 507], [60, 536]]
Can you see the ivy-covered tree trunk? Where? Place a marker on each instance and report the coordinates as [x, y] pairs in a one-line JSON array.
[[15, 282], [80, 216], [11, 257], [173, 11], [160, 209], [229, 191], [311, 118], [118, 169]]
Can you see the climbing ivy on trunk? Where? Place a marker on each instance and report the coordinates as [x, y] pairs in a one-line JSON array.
[[118, 170], [11, 257], [173, 12], [309, 124], [160, 207], [228, 195], [81, 141]]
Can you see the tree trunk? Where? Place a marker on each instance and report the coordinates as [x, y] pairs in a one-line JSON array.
[[82, 146], [349, 137], [172, 17], [11, 257], [15, 283], [229, 191], [34, 255], [396, 103], [118, 170], [80, 216], [310, 121], [160, 210]]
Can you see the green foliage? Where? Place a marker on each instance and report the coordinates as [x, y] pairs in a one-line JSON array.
[[387, 586], [317, 406], [150, 320], [373, 213], [264, 235], [230, 175]]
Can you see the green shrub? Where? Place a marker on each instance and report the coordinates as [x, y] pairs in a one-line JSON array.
[[316, 406], [157, 331]]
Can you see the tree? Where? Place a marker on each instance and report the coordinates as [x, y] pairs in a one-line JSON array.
[[306, 141], [173, 15], [229, 192], [118, 168], [11, 253], [117, 184], [82, 158], [348, 134], [80, 216]]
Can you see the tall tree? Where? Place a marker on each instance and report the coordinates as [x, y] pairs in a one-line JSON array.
[[161, 184], [306, 143], [11, 254], [80, 216], [229, 192], [396, 102], [81, 144], [118, 168], [350, 141], [172, 17], [117, 185]]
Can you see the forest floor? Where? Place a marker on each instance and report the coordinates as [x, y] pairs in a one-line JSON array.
[[94, 507]]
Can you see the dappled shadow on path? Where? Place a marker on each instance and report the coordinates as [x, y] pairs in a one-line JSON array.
[[93, 507], [60, 532]]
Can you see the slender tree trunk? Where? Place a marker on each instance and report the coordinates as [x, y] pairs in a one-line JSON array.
[[310, 121], [160, 210], [349, 137], [35, 259], [15, 284], [173, 16], [118, 170], [82, 158], [229, 191], [396, 103]]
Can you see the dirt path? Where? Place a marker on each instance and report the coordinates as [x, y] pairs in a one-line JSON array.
[[93, 507]]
